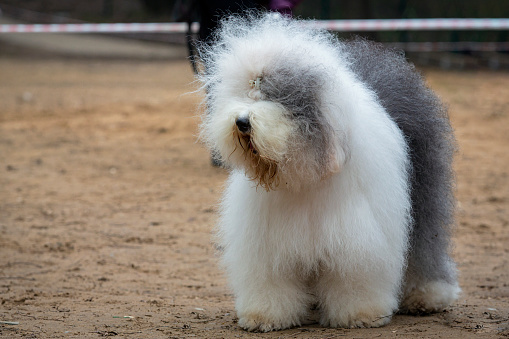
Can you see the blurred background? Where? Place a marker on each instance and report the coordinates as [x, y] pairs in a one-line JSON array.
[[462, 48]]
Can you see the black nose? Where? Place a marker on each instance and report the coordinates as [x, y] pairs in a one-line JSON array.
[[243, 124]]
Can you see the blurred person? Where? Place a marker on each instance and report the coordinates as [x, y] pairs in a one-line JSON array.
[[211, 12], [283, 6]]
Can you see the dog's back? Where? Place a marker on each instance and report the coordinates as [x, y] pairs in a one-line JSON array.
[[424, 121]]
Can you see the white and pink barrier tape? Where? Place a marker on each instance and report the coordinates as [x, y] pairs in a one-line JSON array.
[[173, 27], [333, 25], [410, 24]]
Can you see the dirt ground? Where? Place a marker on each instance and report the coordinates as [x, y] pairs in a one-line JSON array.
[[107, 204]]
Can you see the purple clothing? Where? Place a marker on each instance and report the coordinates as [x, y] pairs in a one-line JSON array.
[[283, 6]]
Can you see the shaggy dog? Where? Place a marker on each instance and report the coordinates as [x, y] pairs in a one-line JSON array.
[[340, 194]]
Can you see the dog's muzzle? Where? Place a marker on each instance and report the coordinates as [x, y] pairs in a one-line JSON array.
[[244, 128], [243, 125]]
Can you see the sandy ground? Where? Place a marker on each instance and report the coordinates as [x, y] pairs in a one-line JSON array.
[[107, 204]]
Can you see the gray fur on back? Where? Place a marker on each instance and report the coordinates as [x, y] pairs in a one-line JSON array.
[[424, 121]]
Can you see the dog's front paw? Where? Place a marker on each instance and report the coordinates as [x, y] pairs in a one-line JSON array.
[[358, 320], [261, 323]]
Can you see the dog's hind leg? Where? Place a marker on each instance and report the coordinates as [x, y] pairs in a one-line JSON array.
[[431, 278], [431, 283]]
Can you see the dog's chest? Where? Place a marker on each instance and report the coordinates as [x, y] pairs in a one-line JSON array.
[[302, 227]]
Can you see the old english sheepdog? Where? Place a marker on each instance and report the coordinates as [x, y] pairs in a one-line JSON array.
[[340, 198]]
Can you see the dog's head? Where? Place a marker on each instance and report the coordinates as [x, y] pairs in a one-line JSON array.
[[268, 103]]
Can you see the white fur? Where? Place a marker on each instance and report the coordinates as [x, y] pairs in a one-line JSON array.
[[432, 297], [350, 230], [336, 238]]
